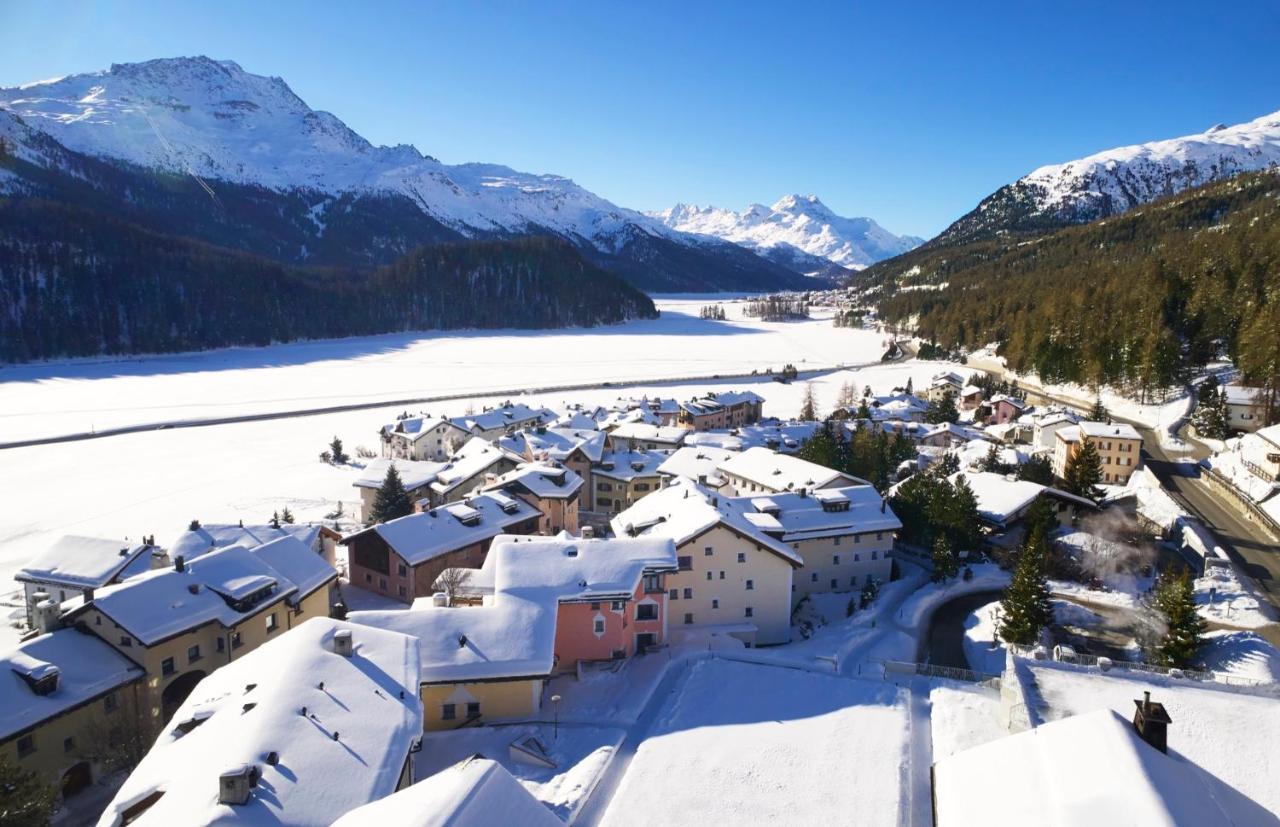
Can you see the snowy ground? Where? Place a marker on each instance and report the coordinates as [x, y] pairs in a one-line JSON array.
[[580, 754], [747, 744], [1221, 597], [80, 396], [963, 716]]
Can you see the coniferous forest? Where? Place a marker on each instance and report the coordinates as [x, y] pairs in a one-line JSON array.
[[1137, 301]]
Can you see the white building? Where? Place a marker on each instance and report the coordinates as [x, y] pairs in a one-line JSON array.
[[759, 470], [75, 566]]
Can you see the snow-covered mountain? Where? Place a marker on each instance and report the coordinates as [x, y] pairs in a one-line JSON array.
[[797, 228], [1116, 180], [211, 121]]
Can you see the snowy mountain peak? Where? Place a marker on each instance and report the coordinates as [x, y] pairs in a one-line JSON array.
[[795, 226]]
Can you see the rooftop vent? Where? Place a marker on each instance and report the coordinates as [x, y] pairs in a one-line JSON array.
[[440, 600], [234, 784], [571, 551], [462, 641], [1152, 722], [179, 563], [588, 532], [342, 642]]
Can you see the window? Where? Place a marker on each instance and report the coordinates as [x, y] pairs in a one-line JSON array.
[[616, 605], [368, 578], [688, 618], [722, 575], [813, 578], [837, 542], [652, 583], [167, 667], [748, 612], [642, 486], [402, 570], [110, 704], [599, 626], [879, 535], [708, 551], [688, 594], [26, 745], [473, 709], [448, 712], [686, 563], [742, 557], [221, 644], [595, 607], [236, 640], [675, 594], [833, 584], [853, 581], [715, 604], [646, 611], [751, 584], [68, 744], [382, 583], [193, 654], [272, 623], [403, 592], [126, 641], [708, 575], [835, 559], [604, 486], [857, 558], [875, 555]]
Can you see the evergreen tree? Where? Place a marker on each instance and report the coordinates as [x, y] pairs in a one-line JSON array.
[[25, 799], [1174, 599], [809, 408], [946, 465], [910, 387], [991, 462], [1084, 471], [286, 516], [942, 410], [392, 500], [821, 448], [335, 451], [963, 517], [1026, 608], [1099, 413], [946, 564], [864, 410], [1211, 417], [1036, 469]]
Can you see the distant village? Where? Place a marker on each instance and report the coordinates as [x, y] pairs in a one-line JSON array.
[[244, 671]]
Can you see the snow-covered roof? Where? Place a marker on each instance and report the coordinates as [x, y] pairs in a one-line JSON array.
[[83, 562], [954, 431], [970, 390], [645, 432], [1002, 499], [362, 716], [577, 420], [541, 479], [696, 462], [948, 378], [1242, 395], [477, 792], [702, 406], [415, 427], [506, 416], [1098, 430], [413, 474], [632, 416], [475, 457], [1085, 770], [731, 398], [420, 537], [165, 602], [513, 633], [628, 465], [684, 509], [192, 543], [86, 668], [782, 472], [555, 443], [1052, 418], [828, 512]]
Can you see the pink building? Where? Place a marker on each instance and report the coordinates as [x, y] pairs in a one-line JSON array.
[[1005, 409]]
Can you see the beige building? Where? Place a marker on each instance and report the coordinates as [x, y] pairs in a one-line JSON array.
[[760, 470], [733, 577], [622, 478], [181, 623], [1246, 407], [422, 438], [1119, 448], [551, 488], [414, 475], [575, 448]]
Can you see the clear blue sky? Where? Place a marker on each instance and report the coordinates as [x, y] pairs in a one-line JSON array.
[[908, 112]]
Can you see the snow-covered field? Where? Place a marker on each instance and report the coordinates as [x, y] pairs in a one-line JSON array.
[[748, 744], [156, 482]]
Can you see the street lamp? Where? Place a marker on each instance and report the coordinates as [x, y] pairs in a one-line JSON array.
[[555, 709]]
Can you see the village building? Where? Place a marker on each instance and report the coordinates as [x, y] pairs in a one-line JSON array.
[[306, 728], [1246, 407], [1260, 453], [705, 414], [944, 384], [551, 488], [1003, 501], [630, 416], [576, 449], [403, 558], [970, 398], [1046, 427], [201, 539], [545, 606], [416, 477], [422, 438], [700, 463], [621, 478], [492, 423], [1119, 448], [785, 438], [474, 792], [898, 406], [467, 470], [949, 435], [1005, 408], [73, 567], [62, 694], [644, 437], [759, 470], [733, 578], [184, 622]]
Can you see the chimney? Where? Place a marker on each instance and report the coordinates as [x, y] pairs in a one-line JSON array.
[[440, 600], [342, 642], [588, 532], [235, 783], [1152, 722], [179, 563], [48, 616]]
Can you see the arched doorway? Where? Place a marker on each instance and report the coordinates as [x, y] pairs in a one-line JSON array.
[[177, 691], [76, 778]]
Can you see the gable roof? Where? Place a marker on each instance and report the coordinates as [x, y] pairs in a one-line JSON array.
[[502, 417], [628, 465], [363, 715], [828, 512], [782, 472], [555, 443], [643, 431], [541, 479], [192, 543], [423, 536], [695, 462], [473, 458], [82, 562], [413, 473]]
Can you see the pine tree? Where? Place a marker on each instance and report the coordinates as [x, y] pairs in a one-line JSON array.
[[991, 462], [910, 387], [286, 516], [963, 516], [1084, 471], [821, 448], [1175, 599], [392, 500], [1036, 469], [24, 798], [809, 408], [945, 563], [1026, 608], [1211, 417], [335, 451], [943, 410], [1099, 413]]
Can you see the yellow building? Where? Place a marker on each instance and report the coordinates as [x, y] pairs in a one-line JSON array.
[[622, 478], [1119, 448]]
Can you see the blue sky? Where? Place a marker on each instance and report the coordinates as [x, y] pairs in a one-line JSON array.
[[906, 112]]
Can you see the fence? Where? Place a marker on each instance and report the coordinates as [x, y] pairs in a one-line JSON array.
[[1253, 687], [1252, 511], [933, 670]]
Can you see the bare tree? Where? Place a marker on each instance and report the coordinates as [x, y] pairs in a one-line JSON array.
[[452, 581], [118, 742]]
